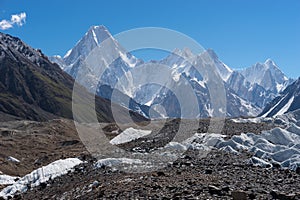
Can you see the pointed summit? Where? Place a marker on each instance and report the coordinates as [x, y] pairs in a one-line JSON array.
[[267, 74], [184, 53], [99, 33], [98, 27], [187, 53], [93, 37], [223, 70], [270, 62]]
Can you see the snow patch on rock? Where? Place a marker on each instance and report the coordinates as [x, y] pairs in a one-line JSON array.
[[128, 135]]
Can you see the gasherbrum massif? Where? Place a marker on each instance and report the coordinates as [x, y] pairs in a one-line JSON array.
[[248, 90]]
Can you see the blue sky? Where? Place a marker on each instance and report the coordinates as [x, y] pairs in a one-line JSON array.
[[242, 32]]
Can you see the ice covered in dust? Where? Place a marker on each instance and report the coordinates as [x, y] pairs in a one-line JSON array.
[[40, 175], [276, 146], [280, 146], [128, 135]]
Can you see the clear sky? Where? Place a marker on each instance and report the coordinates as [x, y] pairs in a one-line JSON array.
[[242, 32]]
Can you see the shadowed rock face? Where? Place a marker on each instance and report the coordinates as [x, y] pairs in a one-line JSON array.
[[31, 87], [288, 101]]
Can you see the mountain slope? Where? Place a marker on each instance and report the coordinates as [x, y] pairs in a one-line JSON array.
[[222, 68], [185, 68], [74, 63], [252, 92], [260, 83], [289, 100], [34, 88]]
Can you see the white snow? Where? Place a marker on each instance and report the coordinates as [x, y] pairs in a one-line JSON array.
[[266, 74], [251, 88], [12, 159], [176, 76], [57, 56], [7, 180], [279, 87], [259, 162], [228, 71], [68, 53], [270, 110], [227, 68], [210, 112], [202, 83], [130, 62], [95, 37], [128, 135], [247, 120], [40, 175], [286, 107], [149, 103]]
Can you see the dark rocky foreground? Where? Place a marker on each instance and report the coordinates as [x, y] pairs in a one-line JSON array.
[[219, 175]]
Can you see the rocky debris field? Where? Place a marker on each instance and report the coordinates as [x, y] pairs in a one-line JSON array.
[[219, 175], [162, 135]]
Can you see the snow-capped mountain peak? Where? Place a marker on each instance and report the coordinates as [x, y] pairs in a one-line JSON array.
[[184, 53], [98, 27], [270, 62], [99, 33], [273, 66], [92, 38], [223, 69], [267, 75], [256, 85], [187, 53]]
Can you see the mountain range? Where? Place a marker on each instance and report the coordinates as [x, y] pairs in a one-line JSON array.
[[247, 91], [34, 86]]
